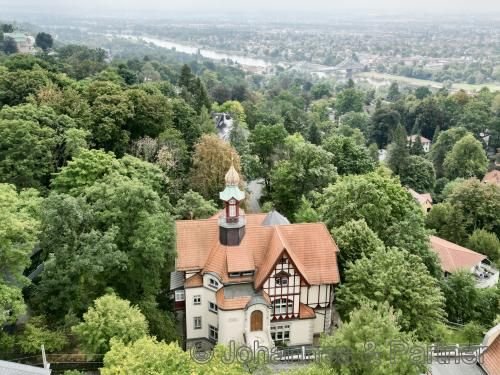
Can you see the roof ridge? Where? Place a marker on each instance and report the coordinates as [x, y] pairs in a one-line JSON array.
[[289, 250], [458, 247]]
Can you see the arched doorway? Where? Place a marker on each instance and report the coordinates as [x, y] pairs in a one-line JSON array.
[[256, 321]]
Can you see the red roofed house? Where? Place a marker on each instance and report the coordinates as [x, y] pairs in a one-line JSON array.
[[491, 356], [426, 143], [492, 177], [455, 258], [248, 278]]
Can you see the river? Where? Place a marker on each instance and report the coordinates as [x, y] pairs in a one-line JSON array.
[[209, 54]]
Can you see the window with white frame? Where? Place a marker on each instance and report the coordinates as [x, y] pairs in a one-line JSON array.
[[213, 333], [179, 295], [197, 300], [213, 283], [212, 307], [280, 334], [197, 322], [281, 304]]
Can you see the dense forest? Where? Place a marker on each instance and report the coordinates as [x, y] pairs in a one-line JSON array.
[[98, 159]]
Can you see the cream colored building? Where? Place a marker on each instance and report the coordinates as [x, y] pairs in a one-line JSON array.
[[253, 279]]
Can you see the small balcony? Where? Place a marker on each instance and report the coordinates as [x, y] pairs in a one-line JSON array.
[[232, 222]]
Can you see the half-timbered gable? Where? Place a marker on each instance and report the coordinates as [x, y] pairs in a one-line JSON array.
[[253, 277]]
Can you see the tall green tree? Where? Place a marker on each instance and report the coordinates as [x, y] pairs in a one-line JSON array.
[[26, 153], [355, 239], [407, 287], [44, 41], [267, 143], [387, 208], [443, 145], [349, 157], [398, 153], [383, 122], [110, 318], [193, 206], [307, 168], [349, 100], [448, 222], [485, 243], [479, 204], [466, 159], [18, 236], [371, 330], [418, 174]]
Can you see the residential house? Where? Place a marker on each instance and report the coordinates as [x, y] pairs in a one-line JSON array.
[[426, 143], [492, 177], [455, 258], [424, 200], [491, 356], [253, 278], [25, 42], [483, 359]]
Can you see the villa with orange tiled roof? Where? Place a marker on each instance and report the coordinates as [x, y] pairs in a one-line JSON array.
[[253, 278], [455, 258]]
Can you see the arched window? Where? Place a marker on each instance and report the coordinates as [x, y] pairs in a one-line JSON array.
[[282, 306], [256, 319]]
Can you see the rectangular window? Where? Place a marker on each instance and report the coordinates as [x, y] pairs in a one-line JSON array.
[[213, 333], [281, 304], [197, 300], [282, 281], [249, 273], [213, 283], [232, 210], [212, 307], [179, 295], [280, 334], [197, 322], [234, 274]]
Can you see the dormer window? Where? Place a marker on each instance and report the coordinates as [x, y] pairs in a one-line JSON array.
[[213, 283]]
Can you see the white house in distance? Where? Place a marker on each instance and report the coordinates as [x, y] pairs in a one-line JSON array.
[[25, 42], [253, 278], [455, 258], [426, 143]]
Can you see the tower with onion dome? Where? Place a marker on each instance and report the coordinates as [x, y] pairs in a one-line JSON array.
[[232, 220]]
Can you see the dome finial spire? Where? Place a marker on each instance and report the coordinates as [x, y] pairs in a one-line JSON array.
[[232, 176]]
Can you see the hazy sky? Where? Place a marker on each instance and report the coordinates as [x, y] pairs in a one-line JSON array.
[[112, 6]]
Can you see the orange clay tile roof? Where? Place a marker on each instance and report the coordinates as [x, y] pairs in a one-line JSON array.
[[306, 312], [194, 281], [454, 257], [492, 177], [236, 303], [491, 357], [309, 246]]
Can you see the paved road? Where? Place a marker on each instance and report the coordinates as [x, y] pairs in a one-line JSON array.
[[255, 188]]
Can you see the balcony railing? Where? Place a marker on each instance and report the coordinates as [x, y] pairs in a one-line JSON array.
[[230, 222]]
